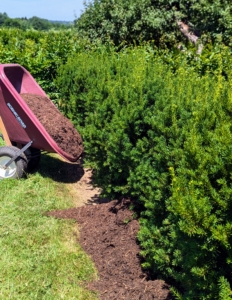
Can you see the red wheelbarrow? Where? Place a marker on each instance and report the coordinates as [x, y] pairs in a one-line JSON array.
[[22, 132]]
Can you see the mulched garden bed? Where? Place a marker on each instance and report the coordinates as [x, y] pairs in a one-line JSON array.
[[58, 127], [108, 234]]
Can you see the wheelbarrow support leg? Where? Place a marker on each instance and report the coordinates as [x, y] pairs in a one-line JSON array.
[[4, 133], [18, 154]]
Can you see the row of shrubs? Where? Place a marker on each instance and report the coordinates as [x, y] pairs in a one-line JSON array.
[[157, 127], [41, 53]]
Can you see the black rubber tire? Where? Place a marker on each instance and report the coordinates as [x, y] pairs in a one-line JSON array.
[[33, 158], [17, 168]]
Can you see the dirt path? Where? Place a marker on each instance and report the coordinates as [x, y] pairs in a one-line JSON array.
[[108, 234], [83, 192]]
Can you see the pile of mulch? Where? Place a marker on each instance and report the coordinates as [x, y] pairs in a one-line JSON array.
[[108, 234], [58, 127]]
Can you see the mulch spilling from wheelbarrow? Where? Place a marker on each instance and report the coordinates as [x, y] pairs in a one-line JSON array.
[[108, 234], [58, 127]]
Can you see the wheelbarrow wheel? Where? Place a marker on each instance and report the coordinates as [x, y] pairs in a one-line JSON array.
[[17, 168], [33, 158]]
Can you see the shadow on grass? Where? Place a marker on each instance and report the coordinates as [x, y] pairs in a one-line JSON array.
[[59, 170]]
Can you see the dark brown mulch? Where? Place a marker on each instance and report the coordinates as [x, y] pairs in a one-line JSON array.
[[58, 127], [108, 235]]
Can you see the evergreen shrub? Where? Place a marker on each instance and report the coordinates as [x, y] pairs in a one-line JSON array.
[[164, 138]]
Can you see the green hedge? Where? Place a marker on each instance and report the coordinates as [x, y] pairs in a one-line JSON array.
[[163, 137], [41, 53]]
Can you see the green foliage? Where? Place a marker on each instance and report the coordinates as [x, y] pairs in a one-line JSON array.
[[41, 53], [35, 23], [225, 292], [3, 18], [135, 20], [39, 24], [12, 23], [158, 127]]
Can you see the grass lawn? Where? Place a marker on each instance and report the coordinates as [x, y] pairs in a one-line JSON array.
[[40, 257]]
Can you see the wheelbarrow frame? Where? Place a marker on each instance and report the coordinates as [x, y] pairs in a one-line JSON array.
[[21, 124], [18, 124]]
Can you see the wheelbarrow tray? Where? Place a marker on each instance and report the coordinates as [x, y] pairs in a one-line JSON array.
[[21, 124]]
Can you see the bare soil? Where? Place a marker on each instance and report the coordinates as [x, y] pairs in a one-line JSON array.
[[58, 127]]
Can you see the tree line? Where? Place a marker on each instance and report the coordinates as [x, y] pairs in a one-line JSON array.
[[32, 23]]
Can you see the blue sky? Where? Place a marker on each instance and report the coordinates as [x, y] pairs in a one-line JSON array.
[[60, 10]]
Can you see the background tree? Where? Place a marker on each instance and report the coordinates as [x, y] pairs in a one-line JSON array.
[[165, 21], [3, 18], [34, 22], [39, 24], [16, 23]]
